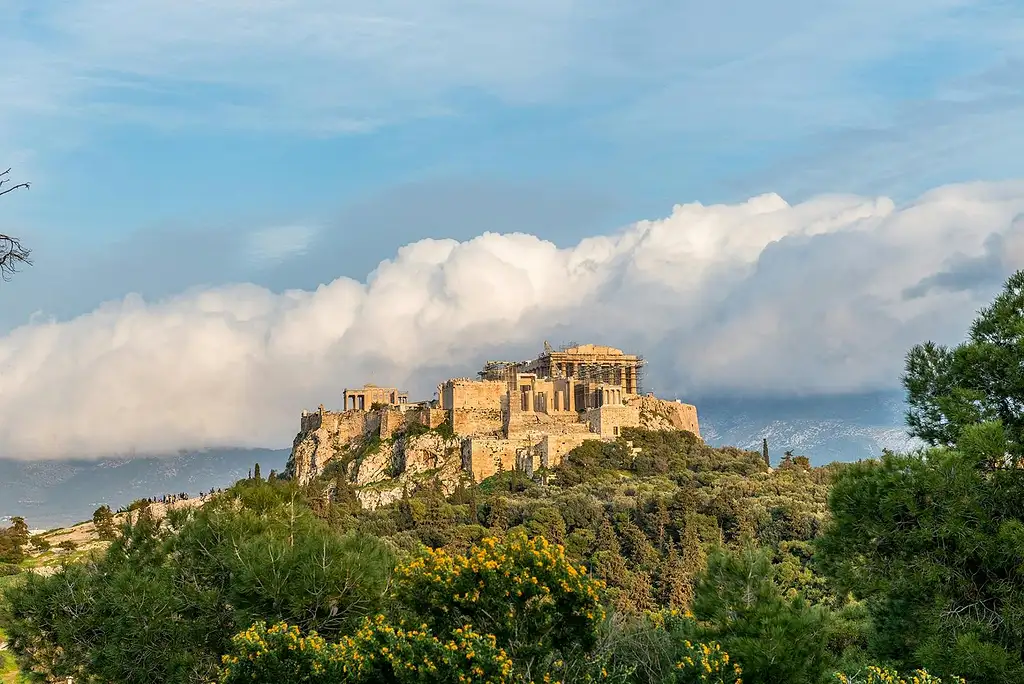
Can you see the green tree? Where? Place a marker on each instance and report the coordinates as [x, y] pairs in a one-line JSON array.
[[103, 520], [980, 380], [40, 542], [13, 540], [164, 601], [933, 544], [737, 603]]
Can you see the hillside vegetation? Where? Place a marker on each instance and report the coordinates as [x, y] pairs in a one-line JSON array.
[[654, 558]]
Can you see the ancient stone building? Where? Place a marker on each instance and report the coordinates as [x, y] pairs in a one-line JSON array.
[[518, 415], [363, 398], [589, 362]]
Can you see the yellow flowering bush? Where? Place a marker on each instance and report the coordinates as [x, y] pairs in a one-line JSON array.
[[377, 652], [706, 664], [524, 591], [877, 675]]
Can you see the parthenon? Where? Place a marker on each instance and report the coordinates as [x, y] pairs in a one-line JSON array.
[[584, 363]]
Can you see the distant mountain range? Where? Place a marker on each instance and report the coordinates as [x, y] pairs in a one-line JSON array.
[[825, 429], [61, 492]]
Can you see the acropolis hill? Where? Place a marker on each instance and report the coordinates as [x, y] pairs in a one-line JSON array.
[[514, 416]]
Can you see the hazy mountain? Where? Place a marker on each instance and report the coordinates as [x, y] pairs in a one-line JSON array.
[[57, 493], [825, 429]]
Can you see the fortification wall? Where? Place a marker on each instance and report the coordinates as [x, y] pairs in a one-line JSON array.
[[482, 456], [432, 417], [463, 393], [553, 448], [520, 424], [394, 420], [608, 421], [476, 421]]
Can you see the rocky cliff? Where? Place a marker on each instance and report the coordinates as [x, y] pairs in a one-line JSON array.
[[661, 414], [380, 452]]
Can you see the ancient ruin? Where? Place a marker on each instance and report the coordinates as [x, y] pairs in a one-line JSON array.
[[516, 415], [366, 396]]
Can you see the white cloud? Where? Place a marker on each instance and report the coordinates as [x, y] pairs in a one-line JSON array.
[[823, 296]]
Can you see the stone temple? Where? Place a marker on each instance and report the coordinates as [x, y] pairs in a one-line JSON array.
[[522, 415]]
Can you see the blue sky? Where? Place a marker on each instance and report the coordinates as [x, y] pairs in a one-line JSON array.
[[131, 116], [175, 147]]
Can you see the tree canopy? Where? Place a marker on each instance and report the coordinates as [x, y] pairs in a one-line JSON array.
[[981, 379]]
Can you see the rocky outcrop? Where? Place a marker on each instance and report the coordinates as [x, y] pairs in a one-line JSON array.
[[661, 414], [407, 462], [380, 452], [323, 437]]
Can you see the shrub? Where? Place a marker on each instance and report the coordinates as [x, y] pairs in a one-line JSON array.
[[377, 652], [523, 591]]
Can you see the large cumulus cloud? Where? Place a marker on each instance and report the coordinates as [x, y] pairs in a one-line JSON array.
[[759, 297]]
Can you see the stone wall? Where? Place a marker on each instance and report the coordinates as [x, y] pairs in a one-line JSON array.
[[607, 421], [476, 421], [463, 393], [432, 417], [481, 456], [394, 420], [521, 424], [553, 448]]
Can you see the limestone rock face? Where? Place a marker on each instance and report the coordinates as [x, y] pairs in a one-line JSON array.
[[407, 462], [323, 436], [376, 465], [661, 414], [382, 451]]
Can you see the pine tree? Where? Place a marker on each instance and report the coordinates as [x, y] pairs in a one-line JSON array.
[[498, 516], [764, 453], [676, 585], [636, 598], [19, 528], [661, 522], [693, 558], [474, 513], [607, 540], [103, 520], [406, 519], [256, 472]]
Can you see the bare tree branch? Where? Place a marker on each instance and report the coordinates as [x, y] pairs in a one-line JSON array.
[[12, 253]]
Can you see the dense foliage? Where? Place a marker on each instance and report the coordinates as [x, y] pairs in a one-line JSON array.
[[980, 380], [653, 558]]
